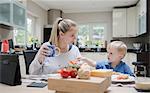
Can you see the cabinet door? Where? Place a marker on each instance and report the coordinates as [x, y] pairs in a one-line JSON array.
[[143, 6], [5, 13], [132, 22], [142, 24], [119, 23], [19, 16]]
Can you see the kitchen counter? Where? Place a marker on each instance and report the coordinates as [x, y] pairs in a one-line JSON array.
[[104, 50]]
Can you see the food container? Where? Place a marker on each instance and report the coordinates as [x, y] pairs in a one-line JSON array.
[[142, 83]]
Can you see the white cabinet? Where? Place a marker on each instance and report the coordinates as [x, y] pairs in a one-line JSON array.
[[19, 15], [125, 22], [132, 22], [142, 11], [119, 22], [5, 12], [12, 13], [142, 7]]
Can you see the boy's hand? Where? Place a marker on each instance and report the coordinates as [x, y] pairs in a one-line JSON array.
[[81, 58], [90, 62]]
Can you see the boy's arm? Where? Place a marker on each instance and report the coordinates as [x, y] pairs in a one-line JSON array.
[[88, 61]]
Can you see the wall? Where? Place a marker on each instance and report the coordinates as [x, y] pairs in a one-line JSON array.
[[104, 17], [41, 16], [145, 38]]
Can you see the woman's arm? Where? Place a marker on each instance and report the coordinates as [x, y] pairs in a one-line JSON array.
[[36, 67]]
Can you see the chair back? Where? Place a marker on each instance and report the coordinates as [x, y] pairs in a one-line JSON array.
[[29, 56]]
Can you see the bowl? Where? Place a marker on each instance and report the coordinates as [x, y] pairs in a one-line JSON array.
[[142, 83]]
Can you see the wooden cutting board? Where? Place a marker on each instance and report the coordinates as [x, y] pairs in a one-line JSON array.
[[73, 85]]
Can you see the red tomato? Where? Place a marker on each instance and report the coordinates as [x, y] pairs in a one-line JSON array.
[[64, 73], [73, 73]]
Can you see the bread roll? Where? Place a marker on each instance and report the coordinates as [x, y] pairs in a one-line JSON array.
[[102, 73], [84, 71]]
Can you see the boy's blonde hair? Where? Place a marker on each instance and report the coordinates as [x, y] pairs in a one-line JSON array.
[[62, 25], [119, 45]]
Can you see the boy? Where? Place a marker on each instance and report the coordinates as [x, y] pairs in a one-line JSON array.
[[116, 52]]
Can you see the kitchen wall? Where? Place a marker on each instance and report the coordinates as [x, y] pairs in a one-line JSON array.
[[104, 17], [145, 38], [41, 18]]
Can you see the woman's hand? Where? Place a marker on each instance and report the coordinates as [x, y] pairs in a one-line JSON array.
[[43, 52]]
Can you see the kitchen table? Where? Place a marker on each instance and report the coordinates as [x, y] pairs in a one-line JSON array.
[[23, 89]]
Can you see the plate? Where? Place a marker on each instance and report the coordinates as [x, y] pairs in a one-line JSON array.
[[114, 79]]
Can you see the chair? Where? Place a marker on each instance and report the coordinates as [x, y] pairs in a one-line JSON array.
[[140, 68], [29, 56]]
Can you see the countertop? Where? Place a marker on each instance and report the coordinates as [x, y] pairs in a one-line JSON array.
[[104, 50]]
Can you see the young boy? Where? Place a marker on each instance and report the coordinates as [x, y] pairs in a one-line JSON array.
[[116, 52]]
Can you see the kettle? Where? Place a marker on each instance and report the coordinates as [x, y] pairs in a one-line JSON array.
[[5, 46]]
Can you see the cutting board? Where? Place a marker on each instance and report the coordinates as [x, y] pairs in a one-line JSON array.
[[74, 85]]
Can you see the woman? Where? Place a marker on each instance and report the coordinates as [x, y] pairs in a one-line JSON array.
[[62, 36]]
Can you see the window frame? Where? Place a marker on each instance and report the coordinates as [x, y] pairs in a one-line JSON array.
[[91, 25]]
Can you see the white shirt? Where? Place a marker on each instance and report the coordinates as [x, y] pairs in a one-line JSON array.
[[53, 64]]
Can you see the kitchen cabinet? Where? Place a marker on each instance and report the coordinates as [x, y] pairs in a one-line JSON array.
[[125, 22], [132, 22], [22, 2], [142, 7], [19, 15], [5, 13], [97, 56], [142, 13], [119, 22], [13, 14]]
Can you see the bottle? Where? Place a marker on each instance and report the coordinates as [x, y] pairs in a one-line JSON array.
[[5, 46]]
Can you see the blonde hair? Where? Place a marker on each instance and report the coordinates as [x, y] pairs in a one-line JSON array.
[[62, 25], [119, 45]]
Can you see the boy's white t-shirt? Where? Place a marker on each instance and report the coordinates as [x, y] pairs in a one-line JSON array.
[[53, 64]]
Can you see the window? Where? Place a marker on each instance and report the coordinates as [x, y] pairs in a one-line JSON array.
[[23, 37], [91, 35], [19, 37], [30, 28]]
